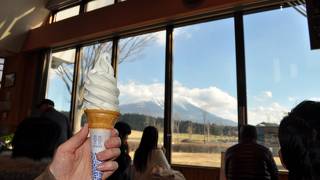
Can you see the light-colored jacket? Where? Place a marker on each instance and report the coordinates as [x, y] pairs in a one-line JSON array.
[[157, 168]]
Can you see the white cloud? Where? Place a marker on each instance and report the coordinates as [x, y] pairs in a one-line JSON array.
[[267, 94], [181, 33], [272, 113], [264, 96], [211, 98], [133, 92], [292, 99], [315, 98], [161, 38]]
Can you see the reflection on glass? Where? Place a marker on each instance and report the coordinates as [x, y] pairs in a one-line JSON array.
[[67, 13], [141, 84], [89, 57], [204, 117], [281, 70], [60, 77], [1, 70], [96, 4]]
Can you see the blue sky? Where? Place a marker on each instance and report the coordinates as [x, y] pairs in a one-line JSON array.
[[281, 68]]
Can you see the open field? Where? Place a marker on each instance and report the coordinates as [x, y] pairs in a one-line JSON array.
[[195, 138], [212, 159]]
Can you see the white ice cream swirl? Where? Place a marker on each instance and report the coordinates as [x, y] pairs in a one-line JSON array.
[[101, 90]]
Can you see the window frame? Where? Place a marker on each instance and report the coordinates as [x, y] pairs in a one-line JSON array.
[[240, 61], [2, 71]]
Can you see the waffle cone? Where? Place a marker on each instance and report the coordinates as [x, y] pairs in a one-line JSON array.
[[104, 119]]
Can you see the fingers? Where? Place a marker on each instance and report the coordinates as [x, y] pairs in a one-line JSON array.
[[77, 140], [108, 168], [114, 133], [113, 142], [108, 154]]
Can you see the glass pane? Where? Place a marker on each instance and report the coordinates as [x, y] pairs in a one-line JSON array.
[[141, 83], [1, 72], [1, 61], [281, 70], [88, 59], [60, 77], [1, 67], [204, 117], [96, 4], [67, 13]]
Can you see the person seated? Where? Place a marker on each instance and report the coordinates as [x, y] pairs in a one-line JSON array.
[[149, 161], [249, 160], [299, 137], [124, 160], [35, 138], [46, 110]]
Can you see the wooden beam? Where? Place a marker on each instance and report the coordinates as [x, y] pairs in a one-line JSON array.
[[125, 16]]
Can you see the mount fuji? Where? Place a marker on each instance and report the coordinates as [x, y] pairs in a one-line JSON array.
[[180, 111]]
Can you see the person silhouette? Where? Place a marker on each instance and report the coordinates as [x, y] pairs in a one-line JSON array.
[[299, 137], [148, 155], [249, 160], [124, 160]]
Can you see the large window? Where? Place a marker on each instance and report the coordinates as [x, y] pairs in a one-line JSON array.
[[141, 83], [1, 70], [96, 4], [204, 117], [60, 78], [88, 59], [281, 70], [66, 13]]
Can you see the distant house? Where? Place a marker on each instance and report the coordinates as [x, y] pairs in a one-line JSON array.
[[268, 136]]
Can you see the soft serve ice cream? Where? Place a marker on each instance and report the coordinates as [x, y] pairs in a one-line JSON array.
[[101, 90], [101, 107]]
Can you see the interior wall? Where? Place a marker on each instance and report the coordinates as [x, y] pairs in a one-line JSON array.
[[19, 97], [16, 19]]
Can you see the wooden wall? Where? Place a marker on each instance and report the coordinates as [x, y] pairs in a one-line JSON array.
[[20, 95], [206, 173]]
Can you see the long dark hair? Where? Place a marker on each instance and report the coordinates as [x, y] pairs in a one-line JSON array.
[[299, 137], [149, 141]]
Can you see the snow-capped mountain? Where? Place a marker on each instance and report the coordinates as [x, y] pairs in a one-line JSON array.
[[181, 111]]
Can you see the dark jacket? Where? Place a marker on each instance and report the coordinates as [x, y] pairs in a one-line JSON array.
[[62, 121], [250, 161], [36, 138]]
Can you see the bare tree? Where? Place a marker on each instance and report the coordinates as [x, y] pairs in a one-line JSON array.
[[190, 130], [129, 50], [204, 118], [176, 125]]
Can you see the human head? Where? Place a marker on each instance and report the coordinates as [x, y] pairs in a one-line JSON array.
[[124, 130], [149, 141], [45, 104], [248, 133], [300, 140], [149, 137]]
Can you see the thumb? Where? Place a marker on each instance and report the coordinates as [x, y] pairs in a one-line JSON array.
[[77, 140]]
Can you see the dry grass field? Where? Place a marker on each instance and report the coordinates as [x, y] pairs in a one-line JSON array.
[[194, 158]]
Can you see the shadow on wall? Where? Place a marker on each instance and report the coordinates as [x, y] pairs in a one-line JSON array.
[[16, 19]]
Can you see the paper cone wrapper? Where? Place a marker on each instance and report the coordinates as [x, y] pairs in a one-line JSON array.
[[102, 119]]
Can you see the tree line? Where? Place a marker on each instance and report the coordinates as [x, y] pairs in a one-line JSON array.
[[139, 121]]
